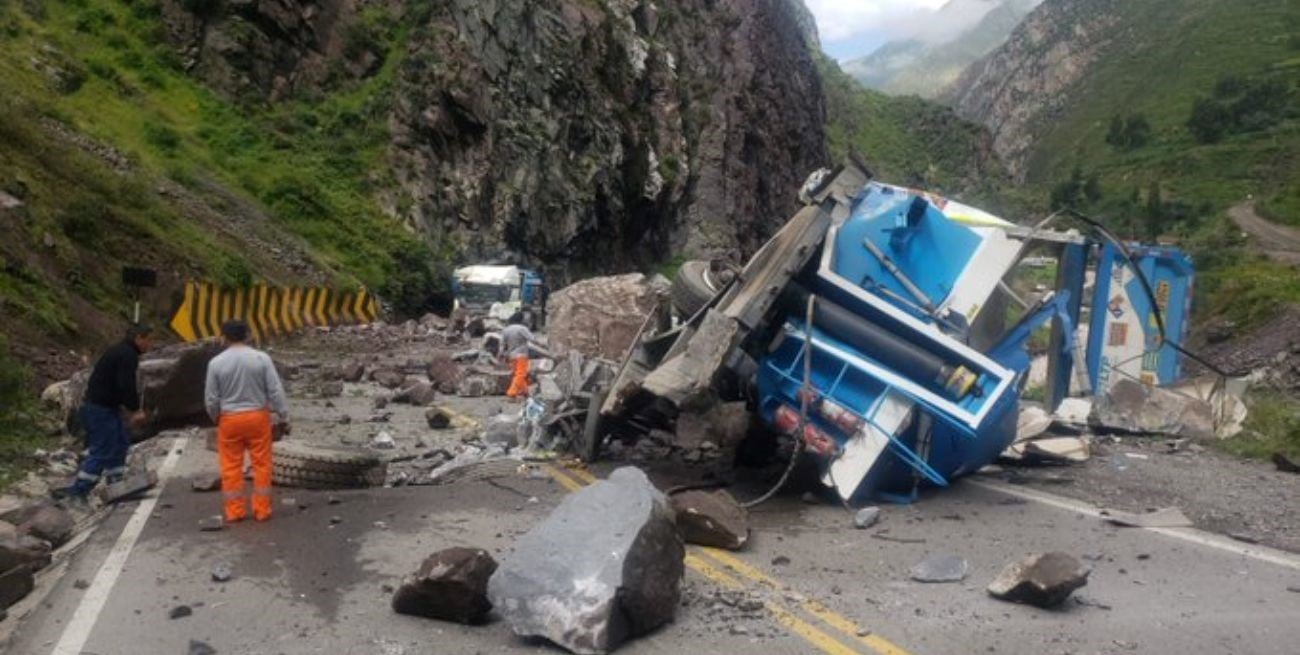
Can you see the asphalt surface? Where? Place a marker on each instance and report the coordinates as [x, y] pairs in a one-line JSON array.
[[317, 578]]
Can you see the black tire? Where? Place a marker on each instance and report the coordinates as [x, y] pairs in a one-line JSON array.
[[693, 288], [296, 464]]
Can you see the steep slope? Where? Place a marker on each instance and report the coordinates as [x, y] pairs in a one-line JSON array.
[[924, 68], [1159, 115], [378, 143]]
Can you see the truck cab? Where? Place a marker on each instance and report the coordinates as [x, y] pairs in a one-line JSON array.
[[498, 292]]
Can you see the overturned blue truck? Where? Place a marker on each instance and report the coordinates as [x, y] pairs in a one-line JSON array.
[[873, 330]]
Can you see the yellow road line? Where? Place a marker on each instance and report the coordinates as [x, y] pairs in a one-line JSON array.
[[783, 616]]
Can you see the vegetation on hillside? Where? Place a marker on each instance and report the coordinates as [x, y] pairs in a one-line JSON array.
[[19, 430], [1180, 120], [101, 68]]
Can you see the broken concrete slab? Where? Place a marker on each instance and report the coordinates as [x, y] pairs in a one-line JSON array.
[[450, 585], [1043, 580], [1169, 517], [134, 484], [711, 519], [866, 517], [619, 538], [940, 567], [1057, 450], [1132, 407], [1032, 422]]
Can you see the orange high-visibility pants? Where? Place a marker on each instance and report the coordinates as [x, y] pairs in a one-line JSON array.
[[519, 383], [245, 431]]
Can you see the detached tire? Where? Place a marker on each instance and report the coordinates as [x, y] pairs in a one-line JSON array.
[[693, 288], [295, 464]]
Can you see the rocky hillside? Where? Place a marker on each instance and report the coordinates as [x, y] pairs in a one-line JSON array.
[[924, 67], [1158, 116], [573, 135]]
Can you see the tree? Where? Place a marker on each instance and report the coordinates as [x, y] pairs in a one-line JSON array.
[[1092, 188], [1115, 135], [1137, 132], [1209, 120]]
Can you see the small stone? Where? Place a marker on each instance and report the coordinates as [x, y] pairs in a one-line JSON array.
[[206, 482], [711, 519], [383, 441], [780, 560], [940, 567], [201, 648], [221, 573], [81, 584], [288, 502], [345, 420], [866, 517], [810, 498], [1042, 580], [450, 585], [438, 418], [335, 520], [180, 611], [333, 500], [212, 524], [739, 630]]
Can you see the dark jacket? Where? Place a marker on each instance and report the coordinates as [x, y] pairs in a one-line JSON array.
[[112, 383]]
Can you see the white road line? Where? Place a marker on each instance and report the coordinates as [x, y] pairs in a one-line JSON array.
[[1191, 535], [92, 602]]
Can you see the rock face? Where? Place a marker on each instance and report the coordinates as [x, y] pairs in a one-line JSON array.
[[597, 134], [1018, 88], [450, 585], [711, 519], [600, 317], [605, 566], [1041, 580]]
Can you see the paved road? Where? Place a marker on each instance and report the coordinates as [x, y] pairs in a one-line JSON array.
[[302, 586], [1279, 242]]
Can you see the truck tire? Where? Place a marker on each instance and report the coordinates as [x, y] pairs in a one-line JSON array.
[[693, 288], [295, 464]]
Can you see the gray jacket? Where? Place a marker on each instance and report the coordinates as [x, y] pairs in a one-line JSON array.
[[242, 379]]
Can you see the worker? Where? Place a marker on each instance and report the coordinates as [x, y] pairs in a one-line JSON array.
[[243, 390], [110, 402], [514, 346]]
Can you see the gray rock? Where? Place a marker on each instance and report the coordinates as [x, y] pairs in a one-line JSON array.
[[205, 482], [711, 519], [331, 389], [444, 373], [15, 584], [134, 484], [221, 573], [502, 430], [46, 522], [1043, 580], [419, 394], [18, 549], [212, 524], [724, 424], [940, 567], [450, 585], [200, 648], [618, 538], [866, 517], [388, 378], [438, 418], [180, 612]]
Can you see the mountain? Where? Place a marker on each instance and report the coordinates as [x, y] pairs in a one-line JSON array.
[[380, 143], [1158, 115], [923, 66]]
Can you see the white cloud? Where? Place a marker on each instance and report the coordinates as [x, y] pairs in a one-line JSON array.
[[843, 19]]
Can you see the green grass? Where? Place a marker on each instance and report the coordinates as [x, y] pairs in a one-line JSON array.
[[20, 433], [311, 161], [1272, 426]]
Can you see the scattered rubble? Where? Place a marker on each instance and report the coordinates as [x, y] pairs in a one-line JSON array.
[[619, 537], [450, 585], [940, 567], [1131, 407], [1044, 580], [711, 519]]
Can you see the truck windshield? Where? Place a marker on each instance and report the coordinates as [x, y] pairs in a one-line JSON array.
[[483, 294]]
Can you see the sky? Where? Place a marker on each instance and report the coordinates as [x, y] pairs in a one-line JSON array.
[[853, 28]]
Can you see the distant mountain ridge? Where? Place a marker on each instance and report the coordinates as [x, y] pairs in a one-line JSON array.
[[924, 67]]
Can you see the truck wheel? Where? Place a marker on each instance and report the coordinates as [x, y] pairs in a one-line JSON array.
[[295, 464], [693, 287]]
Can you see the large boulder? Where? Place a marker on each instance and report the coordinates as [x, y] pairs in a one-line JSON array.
[[1044, 580], [171, 384], [600, 317], [604, 567], [43, 521], [711, 519], [450, 585], [18, 549], [444, 373], [15, 584]]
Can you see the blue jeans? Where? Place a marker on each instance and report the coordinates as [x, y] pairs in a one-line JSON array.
[[108, 441]]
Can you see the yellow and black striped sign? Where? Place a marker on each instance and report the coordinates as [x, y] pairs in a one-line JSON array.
[[269, 311]]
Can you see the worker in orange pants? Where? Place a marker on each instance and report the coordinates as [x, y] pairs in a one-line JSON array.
[[242, 390], [514, 344]]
